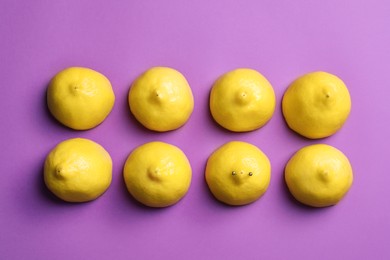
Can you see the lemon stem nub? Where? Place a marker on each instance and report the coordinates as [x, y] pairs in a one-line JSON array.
[[59, 172], [250, 173], [234, 173]]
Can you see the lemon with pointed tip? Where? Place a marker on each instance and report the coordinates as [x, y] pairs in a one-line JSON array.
[[157, 174], [242, 100], [161, 99], [80, 98], [238, 173], [316, 105], [78, 170], [319, 175]]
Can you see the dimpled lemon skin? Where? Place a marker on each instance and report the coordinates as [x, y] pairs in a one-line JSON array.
[[161, 99], [78, 170], [157, 174], [80, 98], [238, 173], [316, 105], [242, 100], [318, 175]]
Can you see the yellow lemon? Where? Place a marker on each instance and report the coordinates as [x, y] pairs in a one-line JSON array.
[[78, 170], [316, 105], [80, 98], [157, 174], [161, 99], [238, 173], [242, 100], [318, 175]]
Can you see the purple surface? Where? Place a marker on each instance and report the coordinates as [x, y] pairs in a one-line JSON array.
[[202, 39]]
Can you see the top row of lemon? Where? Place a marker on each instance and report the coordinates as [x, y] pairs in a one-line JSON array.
[[315, 105]]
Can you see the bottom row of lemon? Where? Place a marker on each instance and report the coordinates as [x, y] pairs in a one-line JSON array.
[[158, 174]]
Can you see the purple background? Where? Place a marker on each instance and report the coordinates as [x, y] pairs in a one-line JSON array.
[[202, 39]]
